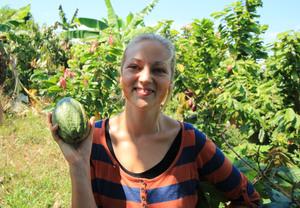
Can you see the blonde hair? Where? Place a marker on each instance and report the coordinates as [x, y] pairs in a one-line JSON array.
[[154, 37]]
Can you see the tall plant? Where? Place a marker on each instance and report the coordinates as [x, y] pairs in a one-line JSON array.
[[240, 28]]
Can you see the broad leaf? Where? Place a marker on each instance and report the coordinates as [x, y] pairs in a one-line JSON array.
[[4, 28], [22, 13], [80, 34], [111, 15], [92, 23], [139, 17]]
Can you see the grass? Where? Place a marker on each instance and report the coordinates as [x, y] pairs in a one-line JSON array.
[[33, 172]]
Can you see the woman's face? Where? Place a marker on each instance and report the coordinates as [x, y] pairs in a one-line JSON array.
[[146, 74]]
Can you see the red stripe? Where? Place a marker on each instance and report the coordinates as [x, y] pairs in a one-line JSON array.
[[114, 203], [186, 202], [188, 138], [206, 153], [220, 174]]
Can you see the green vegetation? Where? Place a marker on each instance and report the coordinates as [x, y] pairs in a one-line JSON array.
[[33, 172], [241, 93]]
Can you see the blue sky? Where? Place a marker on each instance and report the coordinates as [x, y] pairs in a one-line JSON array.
[[278, 14]]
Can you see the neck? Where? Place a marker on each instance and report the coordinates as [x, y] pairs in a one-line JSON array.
[[140, 122]]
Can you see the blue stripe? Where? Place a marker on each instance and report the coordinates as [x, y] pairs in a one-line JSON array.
[[115, 190], [98, 124], [250, 189], [230, 182], [200, 140], [188, 126], [186, 156], [190, 153], [99, 153], [213, 164], [172, 192]]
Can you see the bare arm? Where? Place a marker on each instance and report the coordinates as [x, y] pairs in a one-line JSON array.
[[78, 159]]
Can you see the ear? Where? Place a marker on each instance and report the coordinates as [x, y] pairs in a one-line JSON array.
[[120, 81], [171, 87]]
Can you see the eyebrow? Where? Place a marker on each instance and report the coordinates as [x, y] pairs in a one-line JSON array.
[[160, 63], [156, 63]]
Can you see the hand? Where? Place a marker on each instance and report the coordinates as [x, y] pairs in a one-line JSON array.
[[76, 156]]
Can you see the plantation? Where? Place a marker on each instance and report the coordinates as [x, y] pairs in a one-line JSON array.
[[244, 94]]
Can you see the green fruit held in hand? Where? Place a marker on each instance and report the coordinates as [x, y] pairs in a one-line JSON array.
[[71, 119]]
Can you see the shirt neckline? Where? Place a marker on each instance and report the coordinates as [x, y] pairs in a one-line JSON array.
[[160, 167]]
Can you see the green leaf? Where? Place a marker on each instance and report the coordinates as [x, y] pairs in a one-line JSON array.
[[139, 17], [54, 89], [129, 18], [21, 13], [92, 23], [277, 196], [4, 28], [80, 34], [15, 23], [290, 115], [111, 15], [218, 15], [261, 135]]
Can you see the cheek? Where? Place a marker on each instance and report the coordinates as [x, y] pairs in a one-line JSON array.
[[166, 83], [126, 81]]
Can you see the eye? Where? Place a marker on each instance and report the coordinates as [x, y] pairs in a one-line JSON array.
[[159, 70], [133, 67]]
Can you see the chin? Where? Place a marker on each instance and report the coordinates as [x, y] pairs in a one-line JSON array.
[[143, 105]]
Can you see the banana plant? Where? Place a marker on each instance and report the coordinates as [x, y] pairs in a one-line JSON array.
[[113, 26], [15, 18], [65, 24]]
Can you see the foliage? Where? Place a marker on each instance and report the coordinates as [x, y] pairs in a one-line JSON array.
[[30, 49], [284, 67], [240, 29]]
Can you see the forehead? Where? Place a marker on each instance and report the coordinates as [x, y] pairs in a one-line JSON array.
[[148, 50]]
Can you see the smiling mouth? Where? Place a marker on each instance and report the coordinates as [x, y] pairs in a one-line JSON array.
[[143, 91]]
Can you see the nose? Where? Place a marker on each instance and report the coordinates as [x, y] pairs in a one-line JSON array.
[[145, 74]]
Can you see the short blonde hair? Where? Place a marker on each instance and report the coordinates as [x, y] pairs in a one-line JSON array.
[[154, 37]]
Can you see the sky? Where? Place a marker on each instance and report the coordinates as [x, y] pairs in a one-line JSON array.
[[278, 14]]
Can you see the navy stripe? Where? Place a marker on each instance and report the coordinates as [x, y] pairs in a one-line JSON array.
[[213, 164], [231, 181], [172, 192], [188, 126], [200, 140], [186, 156], [99, 153], [115, 190], [98, 124], [250, 189], [190, 153]]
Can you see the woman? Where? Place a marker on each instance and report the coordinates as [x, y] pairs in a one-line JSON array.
[[143, 158]]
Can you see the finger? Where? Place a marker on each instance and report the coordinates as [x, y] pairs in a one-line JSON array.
[[54, 128], [92, 122], [54, 133]]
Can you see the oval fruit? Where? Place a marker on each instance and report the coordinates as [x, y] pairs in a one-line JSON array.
[[71, 119]]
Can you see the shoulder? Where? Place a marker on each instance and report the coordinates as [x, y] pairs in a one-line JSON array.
[[191, 132], [99, 130], [99, 123]]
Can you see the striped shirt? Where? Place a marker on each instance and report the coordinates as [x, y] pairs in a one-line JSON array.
[[197, 159]]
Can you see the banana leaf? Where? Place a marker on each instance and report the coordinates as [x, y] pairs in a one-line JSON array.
[[92, 23], [80, 34]]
